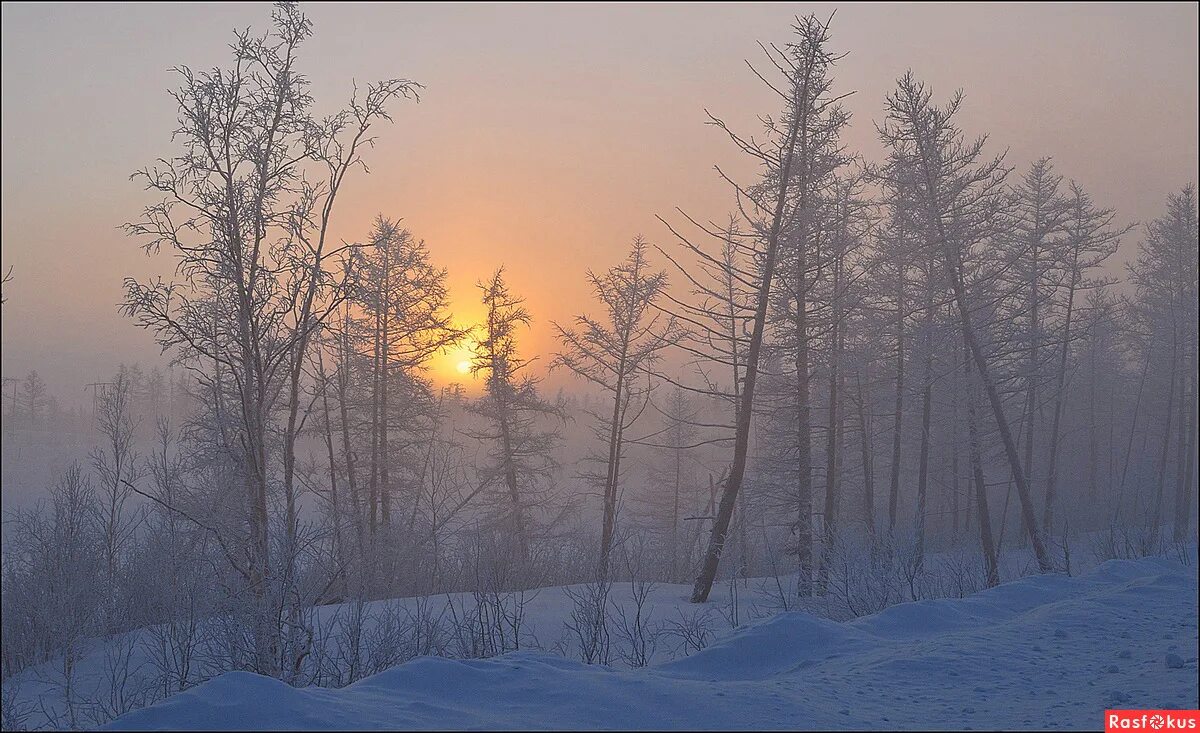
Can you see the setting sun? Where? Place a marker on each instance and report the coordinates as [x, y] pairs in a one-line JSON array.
[[455, 363]]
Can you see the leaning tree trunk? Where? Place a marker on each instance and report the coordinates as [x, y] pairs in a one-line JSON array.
[[954, 271], [986, 543], [737, 470], [614, 462]]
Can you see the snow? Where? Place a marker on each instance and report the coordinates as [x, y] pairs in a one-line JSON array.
[[38, 692], [1045, 651]]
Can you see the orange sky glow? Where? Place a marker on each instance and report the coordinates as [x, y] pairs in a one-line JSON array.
[[547, 137]]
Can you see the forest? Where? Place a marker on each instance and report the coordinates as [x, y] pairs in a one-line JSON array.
[[865, 383]]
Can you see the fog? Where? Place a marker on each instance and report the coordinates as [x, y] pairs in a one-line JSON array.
[[546, 137], [752, 345]]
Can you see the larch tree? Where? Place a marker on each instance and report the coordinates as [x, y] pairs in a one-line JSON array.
[[33, 398], [1089, 238], [615, 354], [245, 211], [796, 147], [520, 459], [960, 195], [1040, 213], [1164, 274], [405, 312]]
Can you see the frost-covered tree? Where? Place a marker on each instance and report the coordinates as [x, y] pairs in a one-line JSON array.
[[1165, 311], [959, 194], [246, 206], [33, 398], [615, 353], [795, 156], [520, 462], [1089, 238]]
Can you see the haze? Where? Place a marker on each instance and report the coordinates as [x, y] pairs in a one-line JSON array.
[[547, 136]]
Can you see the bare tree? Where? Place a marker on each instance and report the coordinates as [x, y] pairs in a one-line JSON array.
[[117, 466], [614, 355], [797, 145], [513, 408], [1040, 212], [33, 398], [960, 194], [248, 225], [1089, 239], [1165, 309]]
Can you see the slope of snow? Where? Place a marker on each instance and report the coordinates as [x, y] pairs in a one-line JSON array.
[[1040, 652], [39, 691]]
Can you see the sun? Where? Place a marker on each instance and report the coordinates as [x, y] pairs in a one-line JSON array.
[[457, 364]]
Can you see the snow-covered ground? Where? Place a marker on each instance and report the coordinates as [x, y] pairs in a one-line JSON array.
[[1039, 652]]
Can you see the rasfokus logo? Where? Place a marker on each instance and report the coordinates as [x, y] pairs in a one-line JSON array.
[[1152, 720]]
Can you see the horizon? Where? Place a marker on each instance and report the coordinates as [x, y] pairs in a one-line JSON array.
[[552, 133]]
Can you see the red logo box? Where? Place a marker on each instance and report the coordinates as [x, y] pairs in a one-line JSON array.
[[1151, 720]]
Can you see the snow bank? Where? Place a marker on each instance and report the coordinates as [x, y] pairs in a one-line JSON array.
[[1040, 652]]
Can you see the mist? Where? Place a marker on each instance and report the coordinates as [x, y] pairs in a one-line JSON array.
[[728, 349]]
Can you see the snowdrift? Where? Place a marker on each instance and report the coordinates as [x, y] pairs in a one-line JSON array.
[[1040, 652]]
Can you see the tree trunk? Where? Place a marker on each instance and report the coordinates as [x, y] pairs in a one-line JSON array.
[[1160, 484], [347, 453], [373, 477], [1059, 395], [1031, 385], [1093, 449], [898, 412], [954, 271], [733, 483], [385, 457], [834, 432], [868, 468], [614, 463], [986, 543], [675, 514], [334, 505], [1187, 473], [926, 414], [510, 480]]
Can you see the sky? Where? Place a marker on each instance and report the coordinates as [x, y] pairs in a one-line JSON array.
[[547, 136]]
